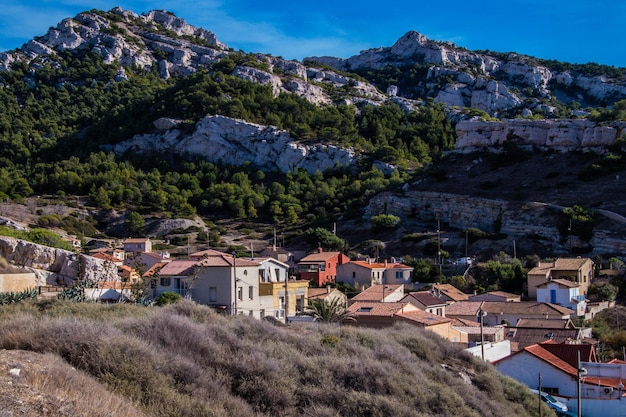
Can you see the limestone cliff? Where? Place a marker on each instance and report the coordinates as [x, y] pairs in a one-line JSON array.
[[54, 266], [232, 141]]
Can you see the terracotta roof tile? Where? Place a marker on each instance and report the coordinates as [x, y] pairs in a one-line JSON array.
[[376, 292], [179, 267], [318, 257], [451, 292], [562, 282], [377, 308], [424, 298], [423, 317]]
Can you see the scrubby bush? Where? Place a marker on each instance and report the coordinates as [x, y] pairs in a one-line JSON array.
[[385, 221], [167, 297]]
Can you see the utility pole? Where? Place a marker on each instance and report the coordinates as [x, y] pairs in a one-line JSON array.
[[235, 283], [286, 298], [539, 389], [439, 245]]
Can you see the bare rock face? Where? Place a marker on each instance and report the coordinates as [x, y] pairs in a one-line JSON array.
[[233, 141], [563, 134], [52, 265]]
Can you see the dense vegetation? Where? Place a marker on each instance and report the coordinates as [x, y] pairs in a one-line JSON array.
[[58, 116], [186, 360]]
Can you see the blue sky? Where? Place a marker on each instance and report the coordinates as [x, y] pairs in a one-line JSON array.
[[577, 31]]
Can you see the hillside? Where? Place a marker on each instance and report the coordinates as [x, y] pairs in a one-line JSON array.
[[185, 360], [145, 118]]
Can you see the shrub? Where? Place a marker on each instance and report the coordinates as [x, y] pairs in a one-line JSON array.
[[385, 221], [167, 297]]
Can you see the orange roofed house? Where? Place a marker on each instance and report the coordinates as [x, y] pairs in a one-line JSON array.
[[320, 268]]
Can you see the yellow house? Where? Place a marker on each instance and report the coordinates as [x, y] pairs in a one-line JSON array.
[[274, 301], [577, 270]]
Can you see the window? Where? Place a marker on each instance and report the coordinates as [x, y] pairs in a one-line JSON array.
[[240, 293], [365, 309], [353, 274], [398, 274], [212, 294], [251, 292], [262, 275], [166, 282]]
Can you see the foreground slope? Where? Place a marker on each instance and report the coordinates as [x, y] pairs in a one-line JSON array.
[[185, 360]]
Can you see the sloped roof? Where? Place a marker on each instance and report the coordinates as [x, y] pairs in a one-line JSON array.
[[569, 352], [501, 294], [561, 282], [524, 336], [320, 293], [155, 268], [524, 308], [463, 308], [570, 264], [376, 308], [545, 355], [368, 265], [458, 322], [137, 240], [543, 323], [319, 257], [451, 292], [179, 267], [425, 298], [377, 292], [423, 317]]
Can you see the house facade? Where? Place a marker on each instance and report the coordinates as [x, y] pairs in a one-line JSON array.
[[134, 247], [425, 301], [320, 268], [216, 279], [564, 293], [366, 273], [373, 314], [577, 270], [601, 384]]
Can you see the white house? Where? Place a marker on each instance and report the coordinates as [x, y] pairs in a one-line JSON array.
[[216, 279], [564, 293], [601, 384]]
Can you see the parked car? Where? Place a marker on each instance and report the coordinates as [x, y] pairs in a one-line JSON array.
[[551, 401]]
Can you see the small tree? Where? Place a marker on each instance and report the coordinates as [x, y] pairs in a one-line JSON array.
[[385, 221]]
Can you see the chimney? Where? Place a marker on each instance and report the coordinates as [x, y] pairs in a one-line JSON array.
[[320, 250], [385, 263], [369, 261], [328, 289]]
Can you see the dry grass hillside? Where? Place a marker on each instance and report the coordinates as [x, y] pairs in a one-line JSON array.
[[185, 360]]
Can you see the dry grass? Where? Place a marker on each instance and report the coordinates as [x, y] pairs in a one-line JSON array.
[[185, 360]]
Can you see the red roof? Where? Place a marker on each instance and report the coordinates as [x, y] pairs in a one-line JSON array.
[[377, 292]]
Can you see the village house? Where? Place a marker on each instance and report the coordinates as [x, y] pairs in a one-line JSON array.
[[528, 332], [424, 300], [328, 294], [601, 384], [448, 293], [373, 314], [288, 256], [280, 296], [135, 246], [496, 296], [362, 274], [497, 312], [320, 268], [564, 293], [576, 270], [381, 293]]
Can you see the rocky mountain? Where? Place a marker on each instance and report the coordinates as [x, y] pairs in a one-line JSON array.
[[493, 100]]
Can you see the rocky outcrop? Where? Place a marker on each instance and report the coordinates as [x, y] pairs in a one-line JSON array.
[[495, 84], [233, 141], [561, 134], [530, 220], [54, 266]]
